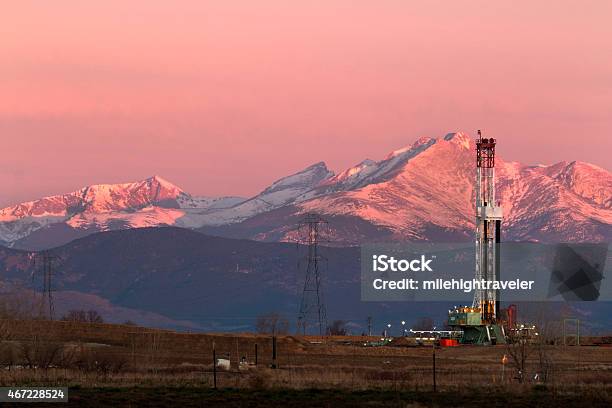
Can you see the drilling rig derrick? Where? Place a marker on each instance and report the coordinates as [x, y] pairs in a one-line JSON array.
[[489, 216], [481, 322]]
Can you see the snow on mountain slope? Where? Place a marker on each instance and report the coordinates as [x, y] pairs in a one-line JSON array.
[[432, 189], [150, 216], [207, 203], [395, 161], [96, 198], [423, 191], [588, 181], [368, 171], [564, 201], [354, 174], [282, 192], [410, 190], [151, 202]]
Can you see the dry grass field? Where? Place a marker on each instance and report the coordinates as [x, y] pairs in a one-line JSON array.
[[122, 365]]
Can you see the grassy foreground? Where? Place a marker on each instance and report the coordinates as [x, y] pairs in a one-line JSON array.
[[125, 366]]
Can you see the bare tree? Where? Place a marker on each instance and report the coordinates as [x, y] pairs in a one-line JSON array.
[[38, 353], [7, 349], [100, 361], [7, 356], [7, 316], [90, 316], [272, 323], [75, 316], [94, 317], [545, 362], [5, 330], [544, 339], [519, 349], [337, 328]]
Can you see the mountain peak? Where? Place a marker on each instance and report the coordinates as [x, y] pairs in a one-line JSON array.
[[163, 184], [320, 166], [422, 141], [419, 144], [102, 198], [305, 179], [159, 179], [585, 165], [460, 138]]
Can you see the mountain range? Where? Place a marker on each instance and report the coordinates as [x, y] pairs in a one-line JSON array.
[[152, 253], [179, 278], [422, 192]]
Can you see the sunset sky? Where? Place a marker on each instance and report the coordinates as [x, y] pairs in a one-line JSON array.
[[223, 97]]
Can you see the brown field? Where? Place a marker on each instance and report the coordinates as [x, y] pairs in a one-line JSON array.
[[138, 366]]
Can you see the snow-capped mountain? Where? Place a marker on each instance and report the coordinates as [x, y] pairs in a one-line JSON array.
[[426, 192], [420, 192], [151, 202], [282, 192]]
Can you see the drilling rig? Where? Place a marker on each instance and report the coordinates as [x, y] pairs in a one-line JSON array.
[[481, 323]]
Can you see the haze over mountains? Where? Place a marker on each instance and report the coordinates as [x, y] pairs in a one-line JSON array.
[[178, 278], [420, 192]]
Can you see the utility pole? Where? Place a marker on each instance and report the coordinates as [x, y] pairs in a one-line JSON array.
[[433, 347], [369, 325], [274, 364], [312, 306], [214, 366], [133, 335]]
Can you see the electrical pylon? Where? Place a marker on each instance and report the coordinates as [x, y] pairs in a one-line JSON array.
[[312, 307]]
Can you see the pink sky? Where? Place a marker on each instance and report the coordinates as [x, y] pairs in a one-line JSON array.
[[223, 97]]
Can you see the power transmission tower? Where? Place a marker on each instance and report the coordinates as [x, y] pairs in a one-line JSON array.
[[46, 304], [312, 307]]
